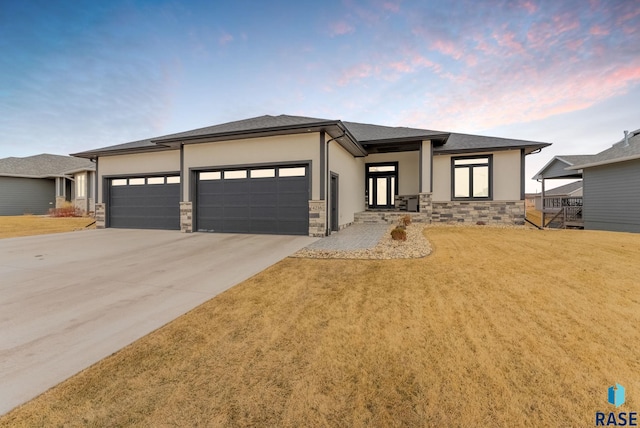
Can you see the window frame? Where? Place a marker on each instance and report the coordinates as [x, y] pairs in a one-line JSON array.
[[469, 167]]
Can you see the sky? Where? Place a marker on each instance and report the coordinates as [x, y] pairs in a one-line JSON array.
[[77, 75]]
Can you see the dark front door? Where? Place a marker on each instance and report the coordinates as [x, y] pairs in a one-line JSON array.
[[382, 185], [334, 203]]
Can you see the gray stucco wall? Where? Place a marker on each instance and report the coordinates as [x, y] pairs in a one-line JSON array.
[[612, 197], [26, 195]]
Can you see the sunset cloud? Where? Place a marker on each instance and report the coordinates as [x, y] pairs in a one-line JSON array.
[[340, 28]]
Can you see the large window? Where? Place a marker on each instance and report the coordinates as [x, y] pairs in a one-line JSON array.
[[472, 177], [81, 186]]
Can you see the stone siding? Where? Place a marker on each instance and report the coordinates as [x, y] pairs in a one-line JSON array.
[[101, 211], [388, 217], [186, 217], [317, 218], [488, 212], [425, 205]]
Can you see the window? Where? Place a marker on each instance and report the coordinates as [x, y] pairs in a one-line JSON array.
[[81, 186], [263, 173], [216, 175], [119, 182], [292, 172], [233, 175], [155, 180], [136, 181], [472, 177], [173, 179]]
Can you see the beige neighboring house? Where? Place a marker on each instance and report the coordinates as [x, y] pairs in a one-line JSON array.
[[35, 184], [308, 176]]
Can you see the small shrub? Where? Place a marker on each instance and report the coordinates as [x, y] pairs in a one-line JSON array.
[[399, 234], [405, 220], [67, 210]]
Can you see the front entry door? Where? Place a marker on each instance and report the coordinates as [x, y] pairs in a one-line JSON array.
[[382, 181], [334, 202]]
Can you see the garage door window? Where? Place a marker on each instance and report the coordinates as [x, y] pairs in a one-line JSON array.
[[155, 180], [119, 182], [216, 175], [292, 172], [232, 175], [173, 180], [136, 181], [263, 173]]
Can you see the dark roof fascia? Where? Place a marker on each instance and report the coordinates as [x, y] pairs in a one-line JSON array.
[[416, 139], [93, 154], [46, 177], [442, 150]]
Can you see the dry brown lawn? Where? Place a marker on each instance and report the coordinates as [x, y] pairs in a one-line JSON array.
[[497, 327], [534, 216], [28, 225]]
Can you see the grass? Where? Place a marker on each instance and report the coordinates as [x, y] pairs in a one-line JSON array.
[[534, 216], [497, 327], [28, 225]]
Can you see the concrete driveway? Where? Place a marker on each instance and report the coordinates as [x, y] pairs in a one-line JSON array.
[[68, 300]]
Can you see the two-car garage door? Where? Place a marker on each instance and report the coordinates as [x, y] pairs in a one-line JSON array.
[[271, 199]]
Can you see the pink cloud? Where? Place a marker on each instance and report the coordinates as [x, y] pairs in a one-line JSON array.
[[508, 39], [225, 38], [340, 28], [447, 47], [391, 6], [354, 73], [529, 6], [401, 66], [597, 30]]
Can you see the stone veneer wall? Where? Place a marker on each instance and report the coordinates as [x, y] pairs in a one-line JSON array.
[[186, 217], [101, 210], [317, 218], [489, 212], [425, 205]]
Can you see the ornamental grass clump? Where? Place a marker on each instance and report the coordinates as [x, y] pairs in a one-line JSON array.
[[399, 234]]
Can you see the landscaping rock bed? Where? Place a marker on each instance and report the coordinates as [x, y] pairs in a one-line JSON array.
[[415, 246]]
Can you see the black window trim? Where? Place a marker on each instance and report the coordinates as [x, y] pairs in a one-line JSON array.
[[470, 166], [372, 174]]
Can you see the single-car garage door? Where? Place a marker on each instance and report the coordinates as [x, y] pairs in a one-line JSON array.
[[272, 199], [144, 202]]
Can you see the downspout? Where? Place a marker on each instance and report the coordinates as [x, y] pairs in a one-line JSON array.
[[327, 186], [95, 185]]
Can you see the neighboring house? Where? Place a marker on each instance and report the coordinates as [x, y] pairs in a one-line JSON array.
[[612, 186], [34, 184], [299, 175], [611, 194], [557, 194]]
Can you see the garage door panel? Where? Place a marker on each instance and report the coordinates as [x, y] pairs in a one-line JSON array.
[[148, 206], [254, 205]]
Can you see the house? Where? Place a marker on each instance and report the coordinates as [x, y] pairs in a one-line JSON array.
[[307, 176], [611, 195], [34, 184], [555, 196]]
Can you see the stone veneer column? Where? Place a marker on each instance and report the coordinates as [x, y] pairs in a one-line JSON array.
[[60, 201], [317, 218], [186, 217], [101, 210], [426, 207]]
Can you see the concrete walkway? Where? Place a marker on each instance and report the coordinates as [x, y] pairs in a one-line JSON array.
[[354, 237], [68, 300]]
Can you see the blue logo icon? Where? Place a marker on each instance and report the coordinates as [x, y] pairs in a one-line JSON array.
[[616, 395]]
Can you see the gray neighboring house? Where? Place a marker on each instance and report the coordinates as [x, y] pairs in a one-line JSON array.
[[308, 176], [610, 184], [34, 184]]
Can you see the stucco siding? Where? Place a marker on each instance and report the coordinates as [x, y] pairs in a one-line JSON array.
[[611, 197], [408, 169], [283, 148], [139, 163], [506, 176], [20, 196], [351, 188]]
